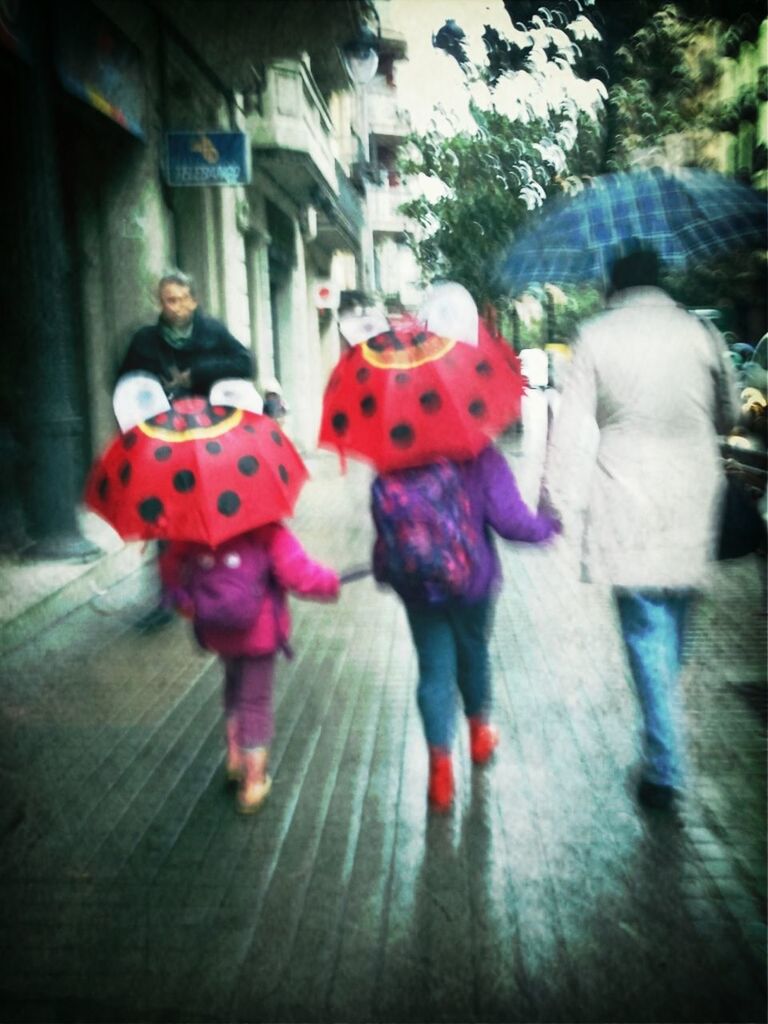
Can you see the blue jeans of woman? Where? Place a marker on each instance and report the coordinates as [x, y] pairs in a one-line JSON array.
[[653, 625], [452, 649]]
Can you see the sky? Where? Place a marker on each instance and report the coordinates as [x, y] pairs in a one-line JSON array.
[[429, 76]]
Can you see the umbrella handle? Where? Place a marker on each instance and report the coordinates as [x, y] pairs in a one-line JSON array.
[[355, 572]]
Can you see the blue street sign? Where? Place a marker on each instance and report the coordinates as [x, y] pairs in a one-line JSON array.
[[207, 158]]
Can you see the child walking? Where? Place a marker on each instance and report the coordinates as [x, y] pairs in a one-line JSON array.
[[434, 547], [236, 596]]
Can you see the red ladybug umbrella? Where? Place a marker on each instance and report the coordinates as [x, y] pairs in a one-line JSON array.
[[408, 396], [197, 473]]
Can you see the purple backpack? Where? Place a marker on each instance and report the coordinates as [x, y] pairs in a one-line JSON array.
[[424, 532], [227, 586]]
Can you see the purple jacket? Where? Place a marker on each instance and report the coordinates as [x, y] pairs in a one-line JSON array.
[[498, 506]]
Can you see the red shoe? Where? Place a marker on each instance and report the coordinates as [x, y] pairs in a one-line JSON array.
[[483, 740], [440, 790]]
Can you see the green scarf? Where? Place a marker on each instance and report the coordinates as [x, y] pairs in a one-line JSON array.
[[175, 336]]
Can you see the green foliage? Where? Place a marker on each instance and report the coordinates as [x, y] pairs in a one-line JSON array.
[[663, 81], [732, 285], [489, 181], [558, 324], [583, 301], [664, 85]]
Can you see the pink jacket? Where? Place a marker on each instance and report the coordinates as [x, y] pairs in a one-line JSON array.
[[290, 570]]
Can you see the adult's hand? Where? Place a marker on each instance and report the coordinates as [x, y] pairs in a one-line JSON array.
[[179, 380]]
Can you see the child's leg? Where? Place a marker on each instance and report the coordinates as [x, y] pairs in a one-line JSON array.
[[471, 625], [256, 728], [436, 697], [231, 704], [436, 654], [231, 686], [254, 712]]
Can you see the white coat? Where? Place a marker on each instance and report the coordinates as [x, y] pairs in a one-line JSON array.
[[633, 465]]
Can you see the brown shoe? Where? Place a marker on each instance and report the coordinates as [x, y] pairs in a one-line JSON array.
[[255, 784]]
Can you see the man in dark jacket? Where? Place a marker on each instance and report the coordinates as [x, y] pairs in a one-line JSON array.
[[185, 349], [188, 352]]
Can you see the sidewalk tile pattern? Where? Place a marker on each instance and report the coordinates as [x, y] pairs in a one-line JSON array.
[[131, 891]]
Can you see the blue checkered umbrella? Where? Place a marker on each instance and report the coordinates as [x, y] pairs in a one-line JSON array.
[[685, 214]]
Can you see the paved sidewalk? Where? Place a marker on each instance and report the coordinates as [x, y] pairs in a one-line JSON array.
[[132, 891], [35, 593]]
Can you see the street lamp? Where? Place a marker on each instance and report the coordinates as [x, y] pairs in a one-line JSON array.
[[361, 56]]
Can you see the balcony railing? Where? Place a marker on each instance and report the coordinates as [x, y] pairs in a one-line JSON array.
[[383, 203], [352, 152], [350, 203], [385, 117], [294, 119]]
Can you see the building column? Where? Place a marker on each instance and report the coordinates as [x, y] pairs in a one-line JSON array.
[[52, 425]]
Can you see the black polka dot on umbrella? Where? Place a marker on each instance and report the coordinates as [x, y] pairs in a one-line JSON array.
[[249, 428], [191, 414], [124, 473], [402, 435], [431, 402], [150, 509], [363, 374], [213, 447], [228, 503], [484, 368], [402, 378], [340, 423], [477, 408], [103, 487], [163, 453], [130, 439], [184, 481], [368, 406], [284, 474], [248, 465], [379, 343], [277, 437]]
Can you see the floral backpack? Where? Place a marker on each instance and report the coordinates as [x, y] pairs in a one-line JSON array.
[[424, 532]]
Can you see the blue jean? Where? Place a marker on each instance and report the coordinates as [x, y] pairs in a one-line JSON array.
[[653, 624], [452, 649]]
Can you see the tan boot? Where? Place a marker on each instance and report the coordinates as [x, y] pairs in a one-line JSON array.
[[255, 784], [234, 757]]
